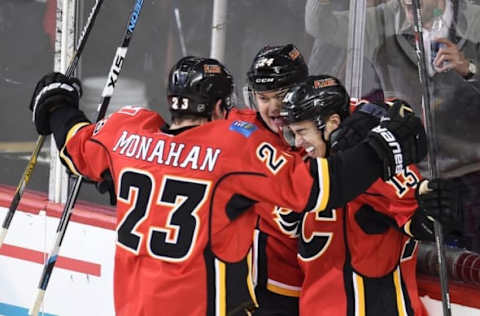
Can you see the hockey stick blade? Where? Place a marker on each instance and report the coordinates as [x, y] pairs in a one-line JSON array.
[[72, 197]]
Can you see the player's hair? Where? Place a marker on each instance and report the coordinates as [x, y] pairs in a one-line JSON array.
[[195, 84], [315, 99]]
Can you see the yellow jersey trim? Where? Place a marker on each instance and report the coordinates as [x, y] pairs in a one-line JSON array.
[[64, 157]]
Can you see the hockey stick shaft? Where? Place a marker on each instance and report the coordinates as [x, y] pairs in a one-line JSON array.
[[432, 161], [72, 197], [41, 139]]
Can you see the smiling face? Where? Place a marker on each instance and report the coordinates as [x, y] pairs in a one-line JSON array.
[[269, 104], [308, 137]]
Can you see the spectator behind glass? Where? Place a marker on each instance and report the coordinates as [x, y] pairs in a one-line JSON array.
[[330, 55], [455, 90]]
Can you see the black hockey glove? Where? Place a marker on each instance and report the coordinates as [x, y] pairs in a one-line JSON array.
[[53, 92], [438, 199], [355, 128], [399, 140], [420, 226], [442, 201], [107, 185]]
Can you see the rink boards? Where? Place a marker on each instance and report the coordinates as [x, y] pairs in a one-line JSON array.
[[82, 281]]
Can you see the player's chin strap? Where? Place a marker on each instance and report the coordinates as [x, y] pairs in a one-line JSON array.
[[248, 98], [226, 105]]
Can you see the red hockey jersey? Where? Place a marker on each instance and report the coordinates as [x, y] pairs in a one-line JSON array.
[[351, 272], [275, 265], [275, 245], [183, 229]]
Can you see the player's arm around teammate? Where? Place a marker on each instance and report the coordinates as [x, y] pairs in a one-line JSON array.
[[148, 160]]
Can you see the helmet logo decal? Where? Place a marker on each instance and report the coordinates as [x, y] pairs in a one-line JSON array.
[[294, 53], [262, 62], [264, 80], [178, 104], [288, 97], [212, 69], [329, 82], [201, 107]]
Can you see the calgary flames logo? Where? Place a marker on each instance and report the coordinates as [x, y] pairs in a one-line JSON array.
[[287, 220]]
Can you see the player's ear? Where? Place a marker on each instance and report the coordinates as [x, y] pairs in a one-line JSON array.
[[218, 112], [333, 122]]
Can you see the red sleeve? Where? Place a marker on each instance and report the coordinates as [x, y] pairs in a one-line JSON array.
[[87, 147], [280, 177], [270, 171], [82, 154], [395, 197]]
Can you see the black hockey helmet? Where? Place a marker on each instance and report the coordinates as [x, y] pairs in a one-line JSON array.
[[195, 84], [315, 99], [276, 67]]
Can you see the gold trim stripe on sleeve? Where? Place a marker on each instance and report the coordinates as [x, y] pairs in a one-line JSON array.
[[282, 290], [64, 157], [323, 185]]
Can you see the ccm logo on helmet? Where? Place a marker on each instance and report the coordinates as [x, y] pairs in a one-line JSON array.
[[392, 142], [264, 80]]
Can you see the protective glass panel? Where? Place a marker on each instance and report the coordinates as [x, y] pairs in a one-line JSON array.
[[326, 23], [27, 31], [320, 29], [451, 38]]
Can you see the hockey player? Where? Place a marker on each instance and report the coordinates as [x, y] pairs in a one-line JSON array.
[[355, 262], [276, 275], [184, 193]]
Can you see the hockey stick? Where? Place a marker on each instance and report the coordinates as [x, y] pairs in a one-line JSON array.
[[432, 161], [41, 139], [72, 197]]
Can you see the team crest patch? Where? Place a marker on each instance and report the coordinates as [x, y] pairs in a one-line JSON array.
[[244, 128], [323, 83], [212, 69], [294, 53]]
